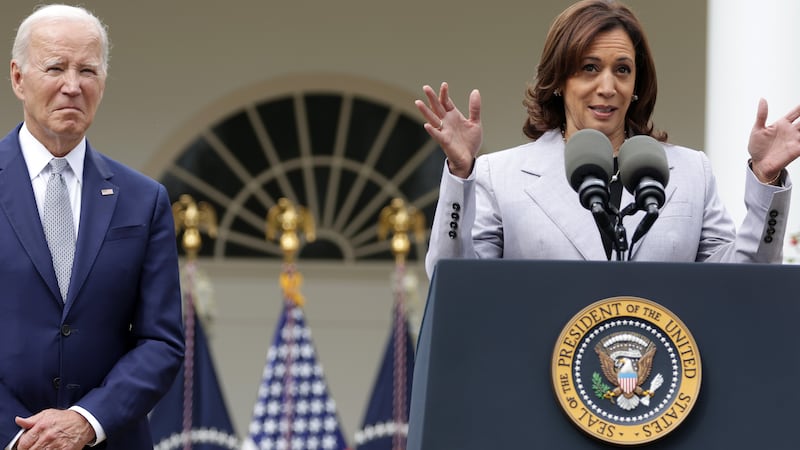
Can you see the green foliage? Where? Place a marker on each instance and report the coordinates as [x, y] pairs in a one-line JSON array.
[[598, 386]]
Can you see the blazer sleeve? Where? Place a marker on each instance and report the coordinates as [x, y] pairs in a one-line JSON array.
[[761, 234], [462, 203], [138, 380]]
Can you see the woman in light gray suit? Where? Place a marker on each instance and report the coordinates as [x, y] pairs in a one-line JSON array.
[[597, 72]]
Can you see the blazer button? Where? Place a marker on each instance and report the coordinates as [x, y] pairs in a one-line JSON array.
[[66, 330], [767, 239], [456, 207], [455, 216], [452, 234], [773, 213], [772, 222], [453, 225], [770, 231], [56, 382]]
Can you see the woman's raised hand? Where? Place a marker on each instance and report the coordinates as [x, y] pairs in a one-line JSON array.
[[460, 137]]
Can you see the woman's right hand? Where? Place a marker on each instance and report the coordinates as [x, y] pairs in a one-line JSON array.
[[460, 137]]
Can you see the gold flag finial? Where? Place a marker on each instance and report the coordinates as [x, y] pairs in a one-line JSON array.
[[193, 217], [285, 221], [401, 220]]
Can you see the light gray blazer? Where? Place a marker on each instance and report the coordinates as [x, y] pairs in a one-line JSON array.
[[517, 204]]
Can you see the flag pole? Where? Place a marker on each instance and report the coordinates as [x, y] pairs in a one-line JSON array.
[[400, 220], [192, 218]]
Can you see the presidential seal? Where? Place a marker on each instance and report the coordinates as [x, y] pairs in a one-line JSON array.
[[626, 370]]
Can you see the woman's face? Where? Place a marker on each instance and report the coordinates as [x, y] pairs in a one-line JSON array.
[[598, 95]]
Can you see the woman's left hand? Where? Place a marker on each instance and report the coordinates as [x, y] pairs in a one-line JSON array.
[[773, 147]]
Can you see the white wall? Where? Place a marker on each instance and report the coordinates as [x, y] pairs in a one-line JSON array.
[[171, 59]]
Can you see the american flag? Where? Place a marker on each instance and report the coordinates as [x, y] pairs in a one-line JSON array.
[[294, 410]]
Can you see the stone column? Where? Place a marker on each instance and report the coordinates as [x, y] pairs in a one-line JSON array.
[[753, 52]]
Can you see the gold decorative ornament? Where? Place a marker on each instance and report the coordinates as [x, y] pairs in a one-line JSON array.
[[194, 218], [285, 222], [400, 220]]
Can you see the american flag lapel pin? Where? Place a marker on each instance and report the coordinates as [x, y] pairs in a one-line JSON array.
[[106, 192]]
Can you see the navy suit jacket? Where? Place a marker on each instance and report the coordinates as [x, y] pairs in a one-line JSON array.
[[115, 346]]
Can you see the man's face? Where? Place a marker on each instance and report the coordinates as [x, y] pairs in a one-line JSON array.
[[62, 83]]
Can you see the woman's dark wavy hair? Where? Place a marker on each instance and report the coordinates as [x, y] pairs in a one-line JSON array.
[[570, 35]]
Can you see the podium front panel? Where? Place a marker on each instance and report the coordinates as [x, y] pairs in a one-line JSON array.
[[482, 378]]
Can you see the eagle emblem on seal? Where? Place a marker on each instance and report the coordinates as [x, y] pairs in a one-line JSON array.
[[626, 359]]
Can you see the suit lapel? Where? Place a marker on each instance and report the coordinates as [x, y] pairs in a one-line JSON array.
[[19, 205], [98, 201], [633, 221], [551, 191]]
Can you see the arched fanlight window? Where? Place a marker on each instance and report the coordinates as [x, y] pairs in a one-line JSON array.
[[341, 147]]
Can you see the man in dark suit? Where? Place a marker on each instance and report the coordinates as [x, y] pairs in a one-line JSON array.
[[85, 356]]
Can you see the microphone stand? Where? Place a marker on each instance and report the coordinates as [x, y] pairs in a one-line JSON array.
[[614, 231], [621, 242], [650, 216]]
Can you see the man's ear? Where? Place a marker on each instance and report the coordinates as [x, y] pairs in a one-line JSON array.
[[16, 79]]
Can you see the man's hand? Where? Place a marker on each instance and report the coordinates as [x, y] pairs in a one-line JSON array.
[[54, 429]]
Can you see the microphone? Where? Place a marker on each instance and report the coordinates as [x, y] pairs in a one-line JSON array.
[[589, 160], [644, 172]]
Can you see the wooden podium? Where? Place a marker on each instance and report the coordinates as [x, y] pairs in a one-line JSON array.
[[482, 378]]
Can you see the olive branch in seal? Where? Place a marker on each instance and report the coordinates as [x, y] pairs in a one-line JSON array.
[[598, 386]]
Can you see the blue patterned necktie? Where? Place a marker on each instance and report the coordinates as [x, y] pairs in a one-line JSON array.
[[59, 225]]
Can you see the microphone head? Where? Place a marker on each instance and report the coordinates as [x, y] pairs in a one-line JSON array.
[[639, 157], [588, 152]]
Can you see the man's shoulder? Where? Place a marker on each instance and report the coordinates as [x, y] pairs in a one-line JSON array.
[[114, 167], [11, 140], [118, 172]]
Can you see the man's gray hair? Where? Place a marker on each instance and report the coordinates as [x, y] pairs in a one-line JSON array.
[[58, 12]]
